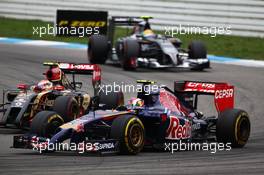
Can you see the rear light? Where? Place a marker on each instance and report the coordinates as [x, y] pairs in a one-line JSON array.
[[59, 88], [22, 86], [163, 117]]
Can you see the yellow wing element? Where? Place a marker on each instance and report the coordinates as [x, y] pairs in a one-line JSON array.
[[146, 17], [50, 63], [146, 81]]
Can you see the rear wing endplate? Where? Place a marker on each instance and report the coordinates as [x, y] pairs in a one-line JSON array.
[[223, 92]]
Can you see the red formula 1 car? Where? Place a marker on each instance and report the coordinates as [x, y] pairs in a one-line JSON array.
[[153, 119]]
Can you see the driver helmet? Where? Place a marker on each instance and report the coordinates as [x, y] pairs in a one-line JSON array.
[[136, 102], [149, 34], [54, 74], [44, 85]]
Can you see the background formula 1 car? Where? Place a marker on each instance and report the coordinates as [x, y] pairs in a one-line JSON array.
[[56, 93], [144, 48], [162, 116]]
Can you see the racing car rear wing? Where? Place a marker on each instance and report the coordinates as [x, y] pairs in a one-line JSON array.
[[122, 21], [223, 92], [126, 20], [80, 68]]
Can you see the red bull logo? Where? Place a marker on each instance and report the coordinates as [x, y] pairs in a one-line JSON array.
[[177, 131]]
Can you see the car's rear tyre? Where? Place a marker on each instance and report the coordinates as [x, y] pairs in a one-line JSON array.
[[111, 99], [130, 133], [97, 49], [45, 124], [197, 50], [233, 126], [129, 54], [67, 107]]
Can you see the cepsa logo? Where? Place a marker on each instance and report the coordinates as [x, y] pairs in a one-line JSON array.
[[77, 23], [177, 131], [226, 93]]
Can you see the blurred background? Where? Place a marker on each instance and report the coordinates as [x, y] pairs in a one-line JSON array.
[[245, 18]]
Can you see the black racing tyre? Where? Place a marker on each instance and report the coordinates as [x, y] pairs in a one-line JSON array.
[[67, 107], [233, 126], [197, 50], [129, 54], [111, 99], [45, 124], [97, 49], [130, 133]]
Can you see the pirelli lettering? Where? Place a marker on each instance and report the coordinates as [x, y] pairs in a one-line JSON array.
[[81, 23], [77, 23]]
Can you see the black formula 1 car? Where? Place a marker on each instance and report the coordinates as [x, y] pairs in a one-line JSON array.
[[55, 93], [151, 120], [144, 48]]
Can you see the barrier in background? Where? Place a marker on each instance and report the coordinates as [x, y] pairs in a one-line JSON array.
[[246, 17]]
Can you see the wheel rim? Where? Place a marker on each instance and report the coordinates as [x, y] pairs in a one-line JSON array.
[[136, 135], [243, 129]]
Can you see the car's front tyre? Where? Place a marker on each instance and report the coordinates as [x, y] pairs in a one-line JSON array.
[[128, 54], [130, 133], [45, 124]]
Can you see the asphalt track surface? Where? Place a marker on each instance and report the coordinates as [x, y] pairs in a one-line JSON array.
[[24, 64]]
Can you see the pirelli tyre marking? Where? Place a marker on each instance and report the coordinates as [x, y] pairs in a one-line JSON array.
[[240, 138], [54, 117], [134, 137]]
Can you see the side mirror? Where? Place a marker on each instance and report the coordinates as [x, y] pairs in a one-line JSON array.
[[11, 95], [102, 107], [139, 35]]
